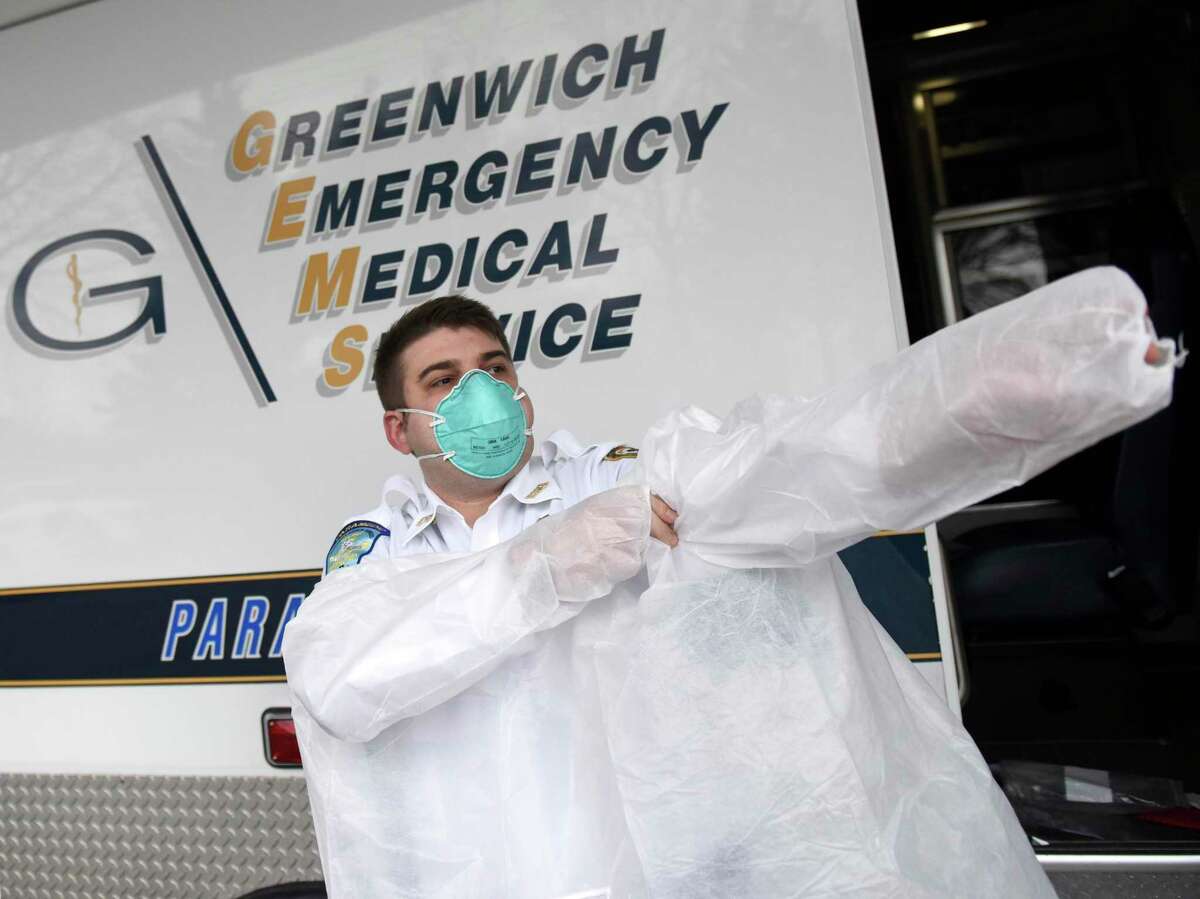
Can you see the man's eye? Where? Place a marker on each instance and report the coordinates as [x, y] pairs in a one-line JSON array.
[[500, 367], [442, 382]]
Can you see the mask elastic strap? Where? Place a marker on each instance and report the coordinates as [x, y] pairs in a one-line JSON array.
[[446, 456], [437, 419], [520, 395]]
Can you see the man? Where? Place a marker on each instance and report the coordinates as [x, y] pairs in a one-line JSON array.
[[419, 361], [504, 687]]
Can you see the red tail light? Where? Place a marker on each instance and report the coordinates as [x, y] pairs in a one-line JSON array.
[[279, 738]]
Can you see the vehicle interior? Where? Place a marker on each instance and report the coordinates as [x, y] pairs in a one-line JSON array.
[[1037, 139]]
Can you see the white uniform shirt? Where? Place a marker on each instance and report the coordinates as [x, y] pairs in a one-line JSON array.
[[412, 519]]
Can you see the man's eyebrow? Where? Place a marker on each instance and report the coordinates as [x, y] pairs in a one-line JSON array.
[[444, 364], [487, 357]]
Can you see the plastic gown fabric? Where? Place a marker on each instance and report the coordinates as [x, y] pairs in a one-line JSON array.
[[581, 712]]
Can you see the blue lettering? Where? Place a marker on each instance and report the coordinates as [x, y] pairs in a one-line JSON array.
[[247, 640], [614, 323], [555, 251], [289, 612], [180, 624], [571, 312], [211, 644]]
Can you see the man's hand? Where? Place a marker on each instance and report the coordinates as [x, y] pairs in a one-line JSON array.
[[662, 522], [1154, 356]]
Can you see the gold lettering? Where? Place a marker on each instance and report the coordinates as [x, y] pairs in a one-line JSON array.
[[346, 352], [287, 212], [250, 151], [323, 285]]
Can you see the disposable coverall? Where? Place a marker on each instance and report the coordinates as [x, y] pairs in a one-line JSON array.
[[580, 712]]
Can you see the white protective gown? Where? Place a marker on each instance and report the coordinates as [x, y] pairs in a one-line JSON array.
[[579, 712]]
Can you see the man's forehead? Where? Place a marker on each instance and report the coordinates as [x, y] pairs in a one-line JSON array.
[[463, 345]]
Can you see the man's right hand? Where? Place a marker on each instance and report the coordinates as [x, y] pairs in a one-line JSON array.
[[662, 522]]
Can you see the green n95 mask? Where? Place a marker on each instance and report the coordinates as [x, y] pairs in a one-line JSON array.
[[480, 426]]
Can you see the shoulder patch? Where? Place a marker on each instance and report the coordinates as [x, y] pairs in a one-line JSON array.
[[353, 542], [617, 453]]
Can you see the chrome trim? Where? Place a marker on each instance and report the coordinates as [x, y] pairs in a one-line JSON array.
[[1036, 205], [1020, 505], [950, 643], [1150, 861], [960, 657], [984, 215], [949, 298]]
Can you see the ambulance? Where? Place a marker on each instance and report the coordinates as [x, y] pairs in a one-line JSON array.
[[213, 213]]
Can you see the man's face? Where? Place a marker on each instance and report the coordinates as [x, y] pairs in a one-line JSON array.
[[430, 368]]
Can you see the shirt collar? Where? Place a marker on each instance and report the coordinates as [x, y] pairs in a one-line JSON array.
[[559, 445], [419, 506], [412, 503], [533, 484]]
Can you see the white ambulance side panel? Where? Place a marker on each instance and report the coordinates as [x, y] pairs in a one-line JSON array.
[[209, 456]]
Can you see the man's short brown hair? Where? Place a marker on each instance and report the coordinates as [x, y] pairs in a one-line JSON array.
[[444, 312]]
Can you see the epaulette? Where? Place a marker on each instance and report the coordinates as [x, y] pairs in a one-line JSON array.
[[618, 453]]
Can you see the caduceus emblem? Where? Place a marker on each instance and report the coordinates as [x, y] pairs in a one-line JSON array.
[[76, 286]]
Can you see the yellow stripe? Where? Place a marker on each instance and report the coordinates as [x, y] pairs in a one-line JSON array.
[[242, 679], [227, 578], [164, 582], [133, 681]]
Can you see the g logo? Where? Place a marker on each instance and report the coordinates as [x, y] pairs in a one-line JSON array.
[[153, 312]]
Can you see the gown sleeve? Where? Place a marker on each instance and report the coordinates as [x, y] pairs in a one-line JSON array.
[[374, 644], [970, 411]]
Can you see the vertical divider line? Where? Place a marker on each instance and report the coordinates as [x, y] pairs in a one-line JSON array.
[[209, 272]]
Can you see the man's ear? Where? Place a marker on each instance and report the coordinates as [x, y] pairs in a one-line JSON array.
[[393, 427]]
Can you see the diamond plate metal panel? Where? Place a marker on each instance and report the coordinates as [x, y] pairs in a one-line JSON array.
[[93, 837]]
